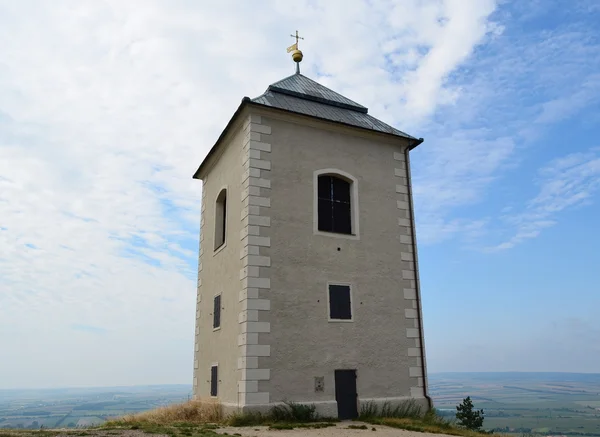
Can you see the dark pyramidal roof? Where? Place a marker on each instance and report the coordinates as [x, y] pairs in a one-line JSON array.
[[302, 95]]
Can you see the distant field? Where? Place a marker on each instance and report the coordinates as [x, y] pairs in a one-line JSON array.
[[514, 402], [71, 408]]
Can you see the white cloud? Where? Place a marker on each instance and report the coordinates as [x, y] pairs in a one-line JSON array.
[[564, 183], [107, 108], [514, 90]]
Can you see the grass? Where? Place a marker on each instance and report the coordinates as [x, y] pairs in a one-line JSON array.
[[191, 412], [407, 409], [408, 416], [284, 416], [189, 419], [201, 419]]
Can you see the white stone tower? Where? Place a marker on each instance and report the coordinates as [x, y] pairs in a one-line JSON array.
[[308, 285]]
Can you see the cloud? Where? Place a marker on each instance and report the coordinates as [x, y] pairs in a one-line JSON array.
[[566, 182], [519, 84], [88, 328], [107, 108], [566, 343]]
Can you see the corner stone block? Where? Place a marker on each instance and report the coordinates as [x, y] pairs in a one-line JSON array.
[[416, 392], [402, 204], [414, 352], [408, 274], [252, 118], [257, 304], [257, 260], [257, 398], [260, 128], [248, 363], [259, 163], [255, 240], [406, 256], [248, 316], [256, 327], [415, 372], [247, 386], [257, 201], [403, 222], [248, 293], [410, 313], [257, 145], [257, 220], [412, 333], [258, 350], [248, 338], [258, 282], [402, 189], [256, 374]]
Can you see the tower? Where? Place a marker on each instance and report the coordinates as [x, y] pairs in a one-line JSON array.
[[308, 285]]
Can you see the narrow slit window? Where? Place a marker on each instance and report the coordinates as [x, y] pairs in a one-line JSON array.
[[334, 205], [217, 312], [340, 304], [221, 219], [214, 380]]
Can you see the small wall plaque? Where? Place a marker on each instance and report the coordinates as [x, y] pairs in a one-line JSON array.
[[319, 383]]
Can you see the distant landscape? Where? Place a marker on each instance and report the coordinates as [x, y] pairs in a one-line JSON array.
[[515, 403], [82, 407], [540, 403]]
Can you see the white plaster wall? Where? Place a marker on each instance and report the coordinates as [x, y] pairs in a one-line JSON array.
[[219, 273], [273, 273], [382, 341]]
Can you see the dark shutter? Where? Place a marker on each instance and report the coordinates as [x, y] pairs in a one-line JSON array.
[[217, 312], [214, 379], [341, 190], [325, 205], [334, 208], [339, 302], [224, 224], [325, 216], [341, 218], [325, 187]]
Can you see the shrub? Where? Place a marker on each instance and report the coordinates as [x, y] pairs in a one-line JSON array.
[[190, 412], [467, 417], [246, 419], [292, 412], [406, 409]]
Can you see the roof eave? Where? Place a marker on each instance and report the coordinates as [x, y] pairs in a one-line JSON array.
[[213, 149], [414, 142]]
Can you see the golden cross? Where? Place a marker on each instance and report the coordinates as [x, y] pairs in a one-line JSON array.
[[297, 38]]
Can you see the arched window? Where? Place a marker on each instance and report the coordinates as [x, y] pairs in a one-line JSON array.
[[334, 204], [220, 219]]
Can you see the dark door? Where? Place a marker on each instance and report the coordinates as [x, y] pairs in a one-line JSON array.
[[345, 394]]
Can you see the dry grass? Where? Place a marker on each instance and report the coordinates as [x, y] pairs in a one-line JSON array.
[[197, 412], [427, 424]]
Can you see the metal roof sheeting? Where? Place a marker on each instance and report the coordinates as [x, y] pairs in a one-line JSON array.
[[302, 95]]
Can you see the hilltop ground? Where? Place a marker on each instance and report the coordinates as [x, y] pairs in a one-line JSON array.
[[341, 429], [205, 419]]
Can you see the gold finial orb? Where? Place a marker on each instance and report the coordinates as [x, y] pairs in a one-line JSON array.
[[297, 56]]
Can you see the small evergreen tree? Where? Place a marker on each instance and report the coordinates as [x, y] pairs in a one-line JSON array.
[[467, 417]]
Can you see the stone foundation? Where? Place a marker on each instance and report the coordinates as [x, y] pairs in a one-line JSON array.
[[326, 409]]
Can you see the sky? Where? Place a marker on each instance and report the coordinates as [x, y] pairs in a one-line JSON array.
[[108, 107]]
